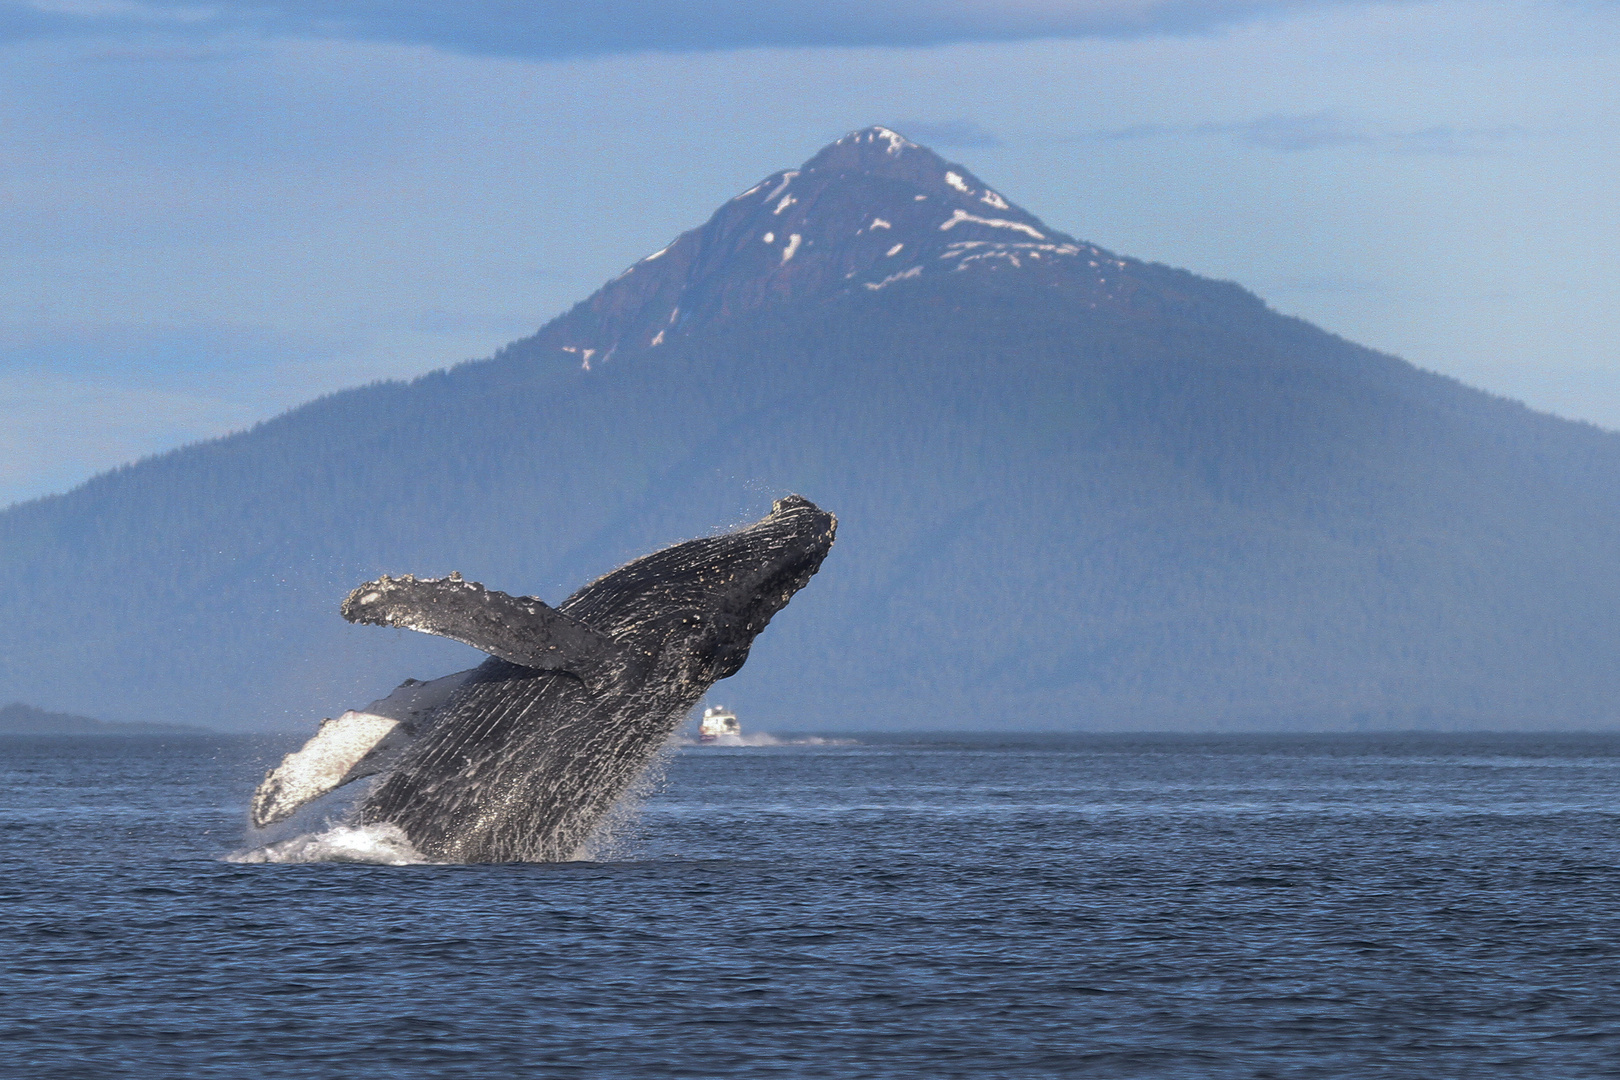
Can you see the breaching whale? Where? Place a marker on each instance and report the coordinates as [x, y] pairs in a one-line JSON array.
[[519, 758]]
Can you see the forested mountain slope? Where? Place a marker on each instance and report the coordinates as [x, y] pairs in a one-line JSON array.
[[1074, 489]]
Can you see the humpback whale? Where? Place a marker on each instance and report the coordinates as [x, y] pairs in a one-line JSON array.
[[519, 758]]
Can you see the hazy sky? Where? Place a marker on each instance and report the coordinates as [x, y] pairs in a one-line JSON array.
[[214, 212]]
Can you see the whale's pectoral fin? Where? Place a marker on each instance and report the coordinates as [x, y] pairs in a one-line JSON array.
[[331, 758], [358, 744], [520, 629]]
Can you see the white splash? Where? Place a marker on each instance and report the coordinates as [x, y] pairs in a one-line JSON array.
[[379, 845], [994, 200], [895, 250], [769, 238], [792, 246], [956, 181], [658, 340], [879, 223], [787, 201]]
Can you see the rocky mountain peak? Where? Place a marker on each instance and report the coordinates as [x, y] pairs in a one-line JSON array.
[[869, 212]]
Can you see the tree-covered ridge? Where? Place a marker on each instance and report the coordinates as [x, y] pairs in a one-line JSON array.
[[1049, 516]]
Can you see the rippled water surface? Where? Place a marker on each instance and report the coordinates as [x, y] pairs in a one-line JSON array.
[[1081, 906]]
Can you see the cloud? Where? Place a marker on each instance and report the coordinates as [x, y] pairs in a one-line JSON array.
[[947, 134], [1295, 133], [1316, 131], [551, 29]]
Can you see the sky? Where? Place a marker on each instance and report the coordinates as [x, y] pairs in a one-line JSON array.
[[214, 212]]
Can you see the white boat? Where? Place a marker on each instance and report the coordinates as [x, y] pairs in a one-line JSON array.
[[717, 721]]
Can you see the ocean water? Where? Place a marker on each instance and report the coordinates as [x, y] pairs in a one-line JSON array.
[[1334, 906]]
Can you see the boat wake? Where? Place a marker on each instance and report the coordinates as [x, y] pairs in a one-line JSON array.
[[377, 845], [760, 738]]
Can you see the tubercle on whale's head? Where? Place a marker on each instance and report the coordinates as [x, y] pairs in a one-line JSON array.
[[697, 606]]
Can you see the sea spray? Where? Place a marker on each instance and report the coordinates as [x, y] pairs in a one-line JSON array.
[[617, 835]]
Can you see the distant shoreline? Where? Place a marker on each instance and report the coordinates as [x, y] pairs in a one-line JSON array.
[[20, 719]]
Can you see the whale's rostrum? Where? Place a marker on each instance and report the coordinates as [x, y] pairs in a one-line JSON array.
[[521, 757]]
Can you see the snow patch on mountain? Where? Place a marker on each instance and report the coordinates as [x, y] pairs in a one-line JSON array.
[[915, 271], [787, 178], [961, 247], [896, 143], [960, 216]]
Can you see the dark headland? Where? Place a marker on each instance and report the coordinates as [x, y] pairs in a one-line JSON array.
[[1075, 489]]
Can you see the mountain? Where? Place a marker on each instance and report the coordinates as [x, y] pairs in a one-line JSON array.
[[20, 719], [1075, 490], [868, 212]]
